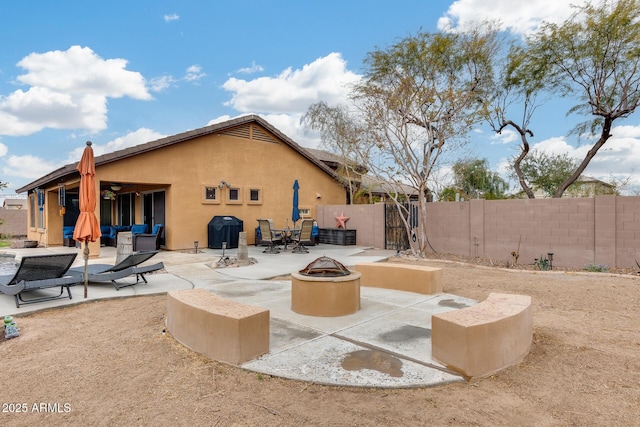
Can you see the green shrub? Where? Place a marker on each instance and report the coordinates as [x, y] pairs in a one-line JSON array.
[[597, 268]]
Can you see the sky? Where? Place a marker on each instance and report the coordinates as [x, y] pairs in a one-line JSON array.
[[124, 73]]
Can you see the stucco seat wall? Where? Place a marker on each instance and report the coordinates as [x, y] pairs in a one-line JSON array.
[[402, 277], [221, 329], [488, 337]]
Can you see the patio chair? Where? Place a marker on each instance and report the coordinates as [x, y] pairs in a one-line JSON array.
[[148, 242], [129, 266], [269, 236], [39, 272], [302, 236]]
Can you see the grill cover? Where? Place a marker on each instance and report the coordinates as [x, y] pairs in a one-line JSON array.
[[224, 229], [325, 267]]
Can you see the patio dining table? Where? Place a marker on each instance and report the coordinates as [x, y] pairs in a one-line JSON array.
[[286, 233]]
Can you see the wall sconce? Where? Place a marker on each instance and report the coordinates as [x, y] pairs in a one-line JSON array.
[[116, 187], [223, 184], [318, 195]]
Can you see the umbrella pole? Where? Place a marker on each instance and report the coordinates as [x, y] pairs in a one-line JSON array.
[[86, 267]]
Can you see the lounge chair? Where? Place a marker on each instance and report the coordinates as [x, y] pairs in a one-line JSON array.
[[40, 272], [127, 267]]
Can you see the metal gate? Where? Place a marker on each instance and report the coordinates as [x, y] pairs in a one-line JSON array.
[[395, 234]]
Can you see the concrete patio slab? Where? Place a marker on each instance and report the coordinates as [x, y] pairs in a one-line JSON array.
[[385, 344]]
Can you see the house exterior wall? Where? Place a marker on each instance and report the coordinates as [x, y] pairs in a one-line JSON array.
[[183, 170]]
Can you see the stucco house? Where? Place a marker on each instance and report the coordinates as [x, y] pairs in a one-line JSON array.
[[243, 167]]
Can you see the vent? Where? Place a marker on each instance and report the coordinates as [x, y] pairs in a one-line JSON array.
[[239, 132], [250, 131]]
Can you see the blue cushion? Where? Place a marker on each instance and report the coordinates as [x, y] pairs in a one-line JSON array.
[[67, 231], [138, 228], [156, 229], [118, 228], [108, 231]]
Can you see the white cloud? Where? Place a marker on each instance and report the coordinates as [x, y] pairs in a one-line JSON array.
[[507, 136], [254, 68], [68, 90], [29, 167], [194, 73], [171, 17], [3, 150], [520, 18], [293, 91], [158, 84]]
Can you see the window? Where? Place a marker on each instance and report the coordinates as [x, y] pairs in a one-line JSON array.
[[32, 210], [234, 197], [211, 194], [126, 208], [254, 196], [40, 213], [305, 212]]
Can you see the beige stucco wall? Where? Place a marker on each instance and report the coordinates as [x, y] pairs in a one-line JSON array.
[[183, 170]]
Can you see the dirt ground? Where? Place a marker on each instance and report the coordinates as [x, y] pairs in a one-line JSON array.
[[108, 363]]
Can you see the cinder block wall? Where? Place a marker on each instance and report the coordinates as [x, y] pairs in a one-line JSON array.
[[578, 231], [367, 220], [14, 222]]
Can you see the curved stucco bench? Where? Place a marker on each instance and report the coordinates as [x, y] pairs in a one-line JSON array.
[[480, 340], [221, 329], [401, 277]]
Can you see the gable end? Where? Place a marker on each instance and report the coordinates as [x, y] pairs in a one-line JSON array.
[[250, 131]]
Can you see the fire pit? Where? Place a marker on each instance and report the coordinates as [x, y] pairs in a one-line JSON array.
[[325, 288]]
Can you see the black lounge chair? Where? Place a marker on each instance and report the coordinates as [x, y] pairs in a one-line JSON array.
[[127, 267], [39, 272]]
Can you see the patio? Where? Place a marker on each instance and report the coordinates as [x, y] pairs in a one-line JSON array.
[[392, 328]]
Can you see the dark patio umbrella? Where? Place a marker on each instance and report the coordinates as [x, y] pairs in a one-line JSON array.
[[295, 213], [87, 227]]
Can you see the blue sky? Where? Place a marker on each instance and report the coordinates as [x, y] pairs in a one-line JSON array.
[[124, 73]]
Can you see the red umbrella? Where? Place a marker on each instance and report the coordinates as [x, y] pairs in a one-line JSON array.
[[87, 227]]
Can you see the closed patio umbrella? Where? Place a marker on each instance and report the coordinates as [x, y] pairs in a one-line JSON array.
[[87, 227], [295, 213]]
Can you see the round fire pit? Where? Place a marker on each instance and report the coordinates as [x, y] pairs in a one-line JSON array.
[[325, 288]]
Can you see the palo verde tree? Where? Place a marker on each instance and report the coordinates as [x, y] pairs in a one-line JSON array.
[[593, 57], [419, 98]]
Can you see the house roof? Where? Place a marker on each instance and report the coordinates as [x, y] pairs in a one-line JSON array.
[[69, 170], [333, 160], [372, 183]]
